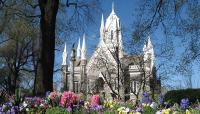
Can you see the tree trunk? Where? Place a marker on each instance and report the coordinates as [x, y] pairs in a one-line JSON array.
[[45, 65]]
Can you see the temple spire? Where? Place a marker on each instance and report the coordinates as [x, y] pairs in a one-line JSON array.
[[102, 27], [83, 50], [149, 42], [64, 56], [78, 56], [113, 7], [102, 22]]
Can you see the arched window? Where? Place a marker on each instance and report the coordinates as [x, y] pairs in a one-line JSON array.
[[99, 84], [116, 83], [76, 86], [111, 35], [133, 86]]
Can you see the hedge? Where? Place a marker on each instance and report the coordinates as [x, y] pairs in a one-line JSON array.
[[175, 96]]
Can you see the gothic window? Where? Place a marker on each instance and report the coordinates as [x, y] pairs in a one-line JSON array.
[[133, 86], [76, 86], [116, 84], [111, 35], [99, 84]]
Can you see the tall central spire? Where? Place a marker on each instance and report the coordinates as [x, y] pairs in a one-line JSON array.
[[113, 7], [83, 50], [79, 49], [64, 56], [102, 28]]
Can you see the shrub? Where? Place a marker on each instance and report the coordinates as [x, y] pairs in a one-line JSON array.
[[175, 96]]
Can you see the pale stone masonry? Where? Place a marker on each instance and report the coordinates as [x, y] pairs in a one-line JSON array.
[[100, 72]]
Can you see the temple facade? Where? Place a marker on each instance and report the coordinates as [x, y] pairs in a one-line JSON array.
[[109, 71]]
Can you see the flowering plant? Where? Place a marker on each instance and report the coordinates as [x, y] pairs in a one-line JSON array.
[[53, 95], [95, 100], [68, 98], [146, 98], [184, 104]]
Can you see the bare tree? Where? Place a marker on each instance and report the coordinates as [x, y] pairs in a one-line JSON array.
[[16, 52], [35, 12], [178, 20]]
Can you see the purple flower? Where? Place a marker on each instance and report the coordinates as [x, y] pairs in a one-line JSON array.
[[160, 99], [98, 107], [13, 110], [184, 103], [138, 109], [47, 93], [9, 104], [146, 97], [69, 108], [81, 103]]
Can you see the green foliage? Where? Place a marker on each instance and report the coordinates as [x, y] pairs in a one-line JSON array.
[[56, 110], [193, 111], [175, 96], [36, 111], [18, 97], [2, 97], [108, 112], [149, 110]]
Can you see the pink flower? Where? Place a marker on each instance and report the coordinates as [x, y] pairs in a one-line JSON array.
[[53, 95], [68, 98], [95, 100]]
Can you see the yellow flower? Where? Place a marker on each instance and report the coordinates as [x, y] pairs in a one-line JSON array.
[[166, 111], [108, 104], [175, 112], [111, 106], [188, 112], [137, 113], [144, 104]]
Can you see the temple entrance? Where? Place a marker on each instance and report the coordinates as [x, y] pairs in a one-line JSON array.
[[99, 85]]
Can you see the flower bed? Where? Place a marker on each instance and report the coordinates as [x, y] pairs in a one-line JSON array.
[[68, 102]]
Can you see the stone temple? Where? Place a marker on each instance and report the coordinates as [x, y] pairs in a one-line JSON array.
[[109, 71]]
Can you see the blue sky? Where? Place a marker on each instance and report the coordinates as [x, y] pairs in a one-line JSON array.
[[126, 11]]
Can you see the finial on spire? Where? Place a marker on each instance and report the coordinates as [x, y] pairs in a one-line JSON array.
[[83, 50], [102, 22], [79, 49], [64, 56], [102, 27], [113, 7], [149, 42]]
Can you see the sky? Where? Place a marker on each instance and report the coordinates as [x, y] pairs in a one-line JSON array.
[[125, 10]]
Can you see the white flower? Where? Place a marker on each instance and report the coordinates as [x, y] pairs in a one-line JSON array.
[[41, 104], [24, 104], [153, 105], [159, 112], [27, 109], [127, 110], [4, 106]]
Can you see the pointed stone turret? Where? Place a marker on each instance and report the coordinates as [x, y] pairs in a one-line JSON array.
[[102, 28], [113, 7], [149, 56], [64, 70], [148, 47], [83, 67], [83, 50], [149, 44], [64, 55], [78, 56], [72, 65]]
